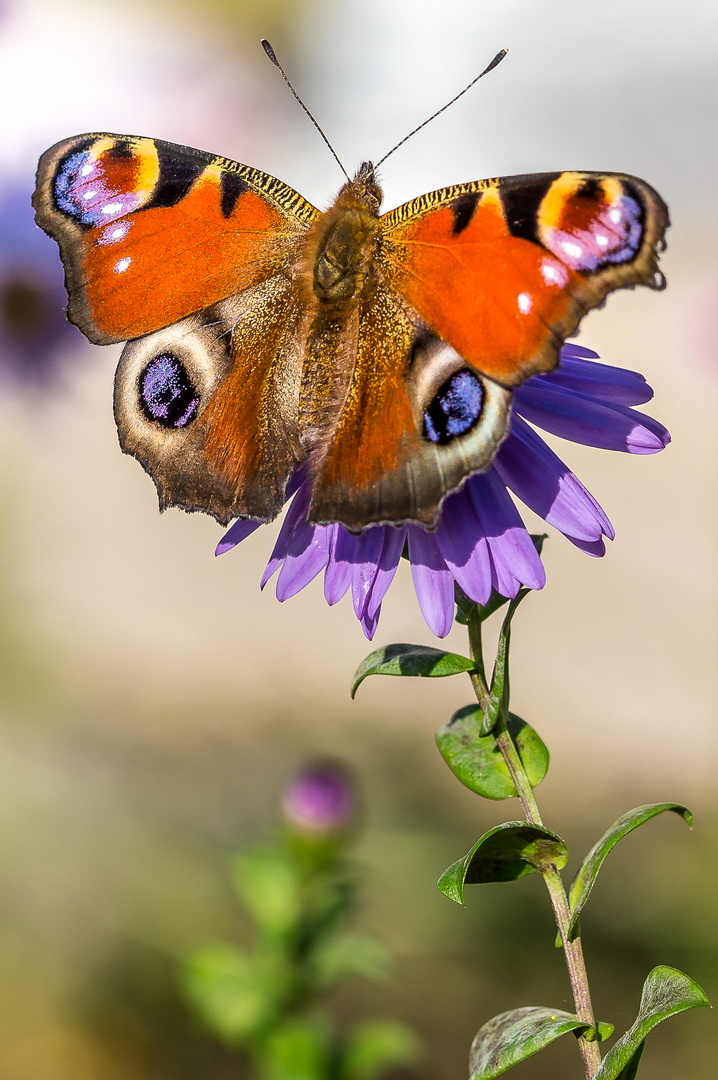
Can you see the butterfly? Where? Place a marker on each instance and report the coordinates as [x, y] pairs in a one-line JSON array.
[[377, 351]]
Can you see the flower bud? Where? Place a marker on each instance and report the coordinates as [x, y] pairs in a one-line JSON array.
[[320, 799]]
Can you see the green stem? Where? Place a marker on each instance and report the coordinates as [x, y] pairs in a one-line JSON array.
[[573, 950], [478, 675]]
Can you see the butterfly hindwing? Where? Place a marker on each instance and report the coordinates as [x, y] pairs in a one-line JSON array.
[[505, 269], [209, 404], [415, 421], [151, 232]]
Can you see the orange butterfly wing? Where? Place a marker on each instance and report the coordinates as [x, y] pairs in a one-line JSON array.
[[505, 269], [150, 232]]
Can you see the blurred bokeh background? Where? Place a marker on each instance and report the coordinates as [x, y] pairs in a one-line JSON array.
[[152, 700]]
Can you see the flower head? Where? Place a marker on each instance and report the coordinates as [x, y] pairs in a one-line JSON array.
[[481, 542], [319, 800], [34, 333]]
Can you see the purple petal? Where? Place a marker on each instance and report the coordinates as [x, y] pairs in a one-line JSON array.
[[608, 384], [463, 546], [368, 550], [514, 558], [433, 581], [541, 480], [570, 348], [295, 522], [342, 556], [307, 556], [502, 579], [586, 420], [369, 623], [386, 569], [237, 532], [244, 527], [595, 548]]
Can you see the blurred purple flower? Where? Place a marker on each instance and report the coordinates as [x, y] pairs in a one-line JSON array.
[[481, 542], [320, 799], [34, 333]]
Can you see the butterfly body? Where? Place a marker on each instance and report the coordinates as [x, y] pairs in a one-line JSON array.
[[377, 351]]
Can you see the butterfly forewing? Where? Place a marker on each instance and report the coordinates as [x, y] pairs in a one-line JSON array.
[[505, 269], [151, 232]]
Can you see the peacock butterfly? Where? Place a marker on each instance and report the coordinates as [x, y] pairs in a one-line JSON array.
[[380, 350]]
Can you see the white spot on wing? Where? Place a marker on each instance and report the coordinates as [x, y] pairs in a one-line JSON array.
[[112, 208], [554, 273], [615, 215], [572, 249], [112, 234], [525, 303], [122, 264]]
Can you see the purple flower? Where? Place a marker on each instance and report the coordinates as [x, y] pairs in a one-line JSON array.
[[320, 799], [34, 332], [481, 542]]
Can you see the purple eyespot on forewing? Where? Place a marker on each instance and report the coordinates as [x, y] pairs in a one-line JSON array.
[[81, 190], [167, 395], [614, 236], [455, 409], [624, 220]]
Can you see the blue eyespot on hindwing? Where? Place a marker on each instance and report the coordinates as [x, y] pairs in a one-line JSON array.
[[455, 409], [167, 395]]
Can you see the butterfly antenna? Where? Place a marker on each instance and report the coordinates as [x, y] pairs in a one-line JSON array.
[[272, 56], [494, 63]]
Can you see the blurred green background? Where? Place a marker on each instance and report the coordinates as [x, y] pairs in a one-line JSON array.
[[152, 701]]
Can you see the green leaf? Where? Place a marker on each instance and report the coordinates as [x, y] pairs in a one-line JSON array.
[[476, 759], [513, 1036], [666, 992], [410, 660], [299, 1050], [630, 1071], [268, 884], [584, 880], [377, 1046], [349, 954], [505, 853], [234, 994]]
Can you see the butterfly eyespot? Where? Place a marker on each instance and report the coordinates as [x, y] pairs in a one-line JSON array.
[[167, 394], [455, 409]]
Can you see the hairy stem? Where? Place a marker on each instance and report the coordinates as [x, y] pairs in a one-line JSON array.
[[573, 950]]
